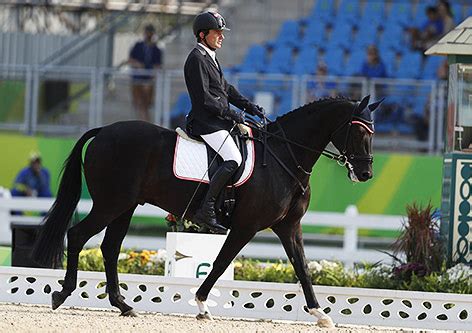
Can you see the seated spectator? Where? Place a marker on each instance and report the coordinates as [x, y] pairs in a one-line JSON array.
[[445, 13], [321, 87], [373, 66], [429, 32], [33, 180]]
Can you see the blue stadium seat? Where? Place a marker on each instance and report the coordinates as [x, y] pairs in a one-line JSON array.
[[374, 12], [354, 62], [349, 11], [458, 13], [409, 67], [254, 61], [182, 105], [400, 13], [334, 60], [430, 67], [323, 10], [366, 35], [388, 56], [315, 33], [281, 60], [341, 35], [420, 14], [393, 37], [306, 61], [288, 33]]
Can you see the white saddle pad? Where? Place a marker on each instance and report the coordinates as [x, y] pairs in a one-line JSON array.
[[191, 159]]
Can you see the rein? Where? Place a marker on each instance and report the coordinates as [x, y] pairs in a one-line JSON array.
[[342, 159]]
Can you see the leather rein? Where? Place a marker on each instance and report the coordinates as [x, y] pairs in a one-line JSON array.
[[342, 159]]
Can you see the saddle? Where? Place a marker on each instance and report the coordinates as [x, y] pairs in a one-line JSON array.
[[227, 198]]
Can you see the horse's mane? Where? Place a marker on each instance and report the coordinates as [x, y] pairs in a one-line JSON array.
[[308, 107]]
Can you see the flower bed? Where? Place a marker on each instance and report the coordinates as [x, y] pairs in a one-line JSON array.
[[457, 279]]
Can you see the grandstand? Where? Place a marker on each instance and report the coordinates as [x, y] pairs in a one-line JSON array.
[[272, 54], [337, 33]]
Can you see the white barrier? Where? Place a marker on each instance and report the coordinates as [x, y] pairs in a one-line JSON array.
[[243, 299], [350, 221]]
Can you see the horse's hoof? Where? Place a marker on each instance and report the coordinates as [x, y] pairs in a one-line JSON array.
[[56, 300], [129, 313], [204, 316], [325, 323]]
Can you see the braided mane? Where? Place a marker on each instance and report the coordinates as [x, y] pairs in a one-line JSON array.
[[311, 106]]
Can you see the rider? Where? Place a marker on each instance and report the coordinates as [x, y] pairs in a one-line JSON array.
[[211, 117]]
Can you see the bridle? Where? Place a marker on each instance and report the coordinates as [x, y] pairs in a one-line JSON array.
[[342, 159]]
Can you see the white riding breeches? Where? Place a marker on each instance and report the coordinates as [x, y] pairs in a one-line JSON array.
[[224, 145]]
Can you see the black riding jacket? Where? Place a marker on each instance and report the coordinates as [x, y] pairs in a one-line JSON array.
[[210, 94]]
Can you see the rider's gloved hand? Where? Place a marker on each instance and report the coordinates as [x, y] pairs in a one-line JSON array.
[[234, 115], [255, 110]]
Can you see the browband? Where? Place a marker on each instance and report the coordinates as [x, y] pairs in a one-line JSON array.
[[370, 130]]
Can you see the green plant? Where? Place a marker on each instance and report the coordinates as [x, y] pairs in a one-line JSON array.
[[457, 279]]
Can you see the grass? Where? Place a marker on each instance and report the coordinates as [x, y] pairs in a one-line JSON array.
[[5, 256]]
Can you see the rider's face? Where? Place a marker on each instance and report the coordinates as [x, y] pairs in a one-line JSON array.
[[215, 38]]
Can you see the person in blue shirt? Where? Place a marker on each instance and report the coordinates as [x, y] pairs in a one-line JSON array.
[[373, 66], [429, 32], [33, 180], [144, 55]]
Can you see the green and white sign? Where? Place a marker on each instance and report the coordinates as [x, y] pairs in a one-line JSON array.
[[192, 255], [456, 221]]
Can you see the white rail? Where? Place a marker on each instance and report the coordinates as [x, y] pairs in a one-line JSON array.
[[243, 299], [350, 221]]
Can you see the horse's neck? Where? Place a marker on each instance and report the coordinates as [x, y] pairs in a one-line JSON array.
[[313, 131]]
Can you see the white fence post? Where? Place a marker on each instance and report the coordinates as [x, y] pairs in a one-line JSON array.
[[4, 218], [350, 234]]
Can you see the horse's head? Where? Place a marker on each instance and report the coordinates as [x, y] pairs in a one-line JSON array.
[[354, 141]]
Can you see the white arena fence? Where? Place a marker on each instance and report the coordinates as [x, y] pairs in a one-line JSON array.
[[350, 221], [243, 299]]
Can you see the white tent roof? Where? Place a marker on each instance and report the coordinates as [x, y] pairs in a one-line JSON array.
[[456, 41]]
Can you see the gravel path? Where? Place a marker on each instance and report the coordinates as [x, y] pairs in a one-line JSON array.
[[38, 318]]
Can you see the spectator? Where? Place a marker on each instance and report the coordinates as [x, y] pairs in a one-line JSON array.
[[445, 13], [373, 66], [429, 32], [321, 87], [144, 55], [33, 180]]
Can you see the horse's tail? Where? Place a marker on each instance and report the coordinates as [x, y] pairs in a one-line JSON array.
[[49, 247]]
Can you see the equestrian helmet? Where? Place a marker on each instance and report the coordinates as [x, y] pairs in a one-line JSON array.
[[208, 21]]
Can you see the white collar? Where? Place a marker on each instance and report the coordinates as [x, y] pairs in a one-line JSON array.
[[211, 53]]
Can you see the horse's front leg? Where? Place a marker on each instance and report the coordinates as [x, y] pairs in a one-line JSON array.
[[290, 234], [233, 244]]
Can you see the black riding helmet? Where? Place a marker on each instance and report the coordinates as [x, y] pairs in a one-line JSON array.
[[207, 21]]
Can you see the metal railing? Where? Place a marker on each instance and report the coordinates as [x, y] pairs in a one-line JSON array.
[[68, 100]]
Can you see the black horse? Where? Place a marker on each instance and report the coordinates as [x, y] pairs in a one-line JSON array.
[[130, 163]]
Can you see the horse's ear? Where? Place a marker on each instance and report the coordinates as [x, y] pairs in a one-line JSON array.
[[362, 105], [374, 106]]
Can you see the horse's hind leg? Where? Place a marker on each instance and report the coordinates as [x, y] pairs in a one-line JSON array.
[[290, 234], [77, 236], [233, 244], [110, 247]]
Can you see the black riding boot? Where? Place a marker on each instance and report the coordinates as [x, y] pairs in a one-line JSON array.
[[206, 214]]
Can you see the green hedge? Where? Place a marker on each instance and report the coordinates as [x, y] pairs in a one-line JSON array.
[[457, 279]]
